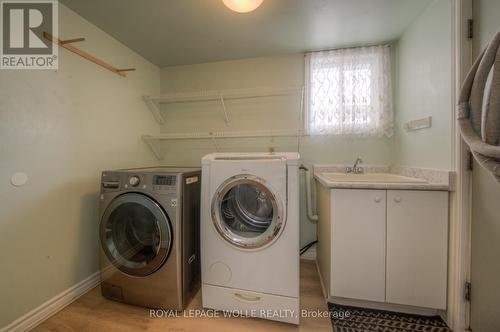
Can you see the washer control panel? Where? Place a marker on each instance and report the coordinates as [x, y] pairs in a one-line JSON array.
[[164, 183], [158, 183], [134, 181], [110, 182], [164, 180]]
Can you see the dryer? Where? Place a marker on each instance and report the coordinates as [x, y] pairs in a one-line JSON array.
[[250, 234], [149, 235]]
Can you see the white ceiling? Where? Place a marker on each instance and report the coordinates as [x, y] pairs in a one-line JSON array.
[[176, 32]]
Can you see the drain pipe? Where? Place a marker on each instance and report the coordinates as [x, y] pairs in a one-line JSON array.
[[310, 214]]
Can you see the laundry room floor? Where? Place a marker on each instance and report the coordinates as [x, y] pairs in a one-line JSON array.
[[92, 312]]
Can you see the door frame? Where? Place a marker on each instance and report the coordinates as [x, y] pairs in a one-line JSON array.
[[458, 313]]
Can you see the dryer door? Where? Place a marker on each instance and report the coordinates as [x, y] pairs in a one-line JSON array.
[[247, 212], [136, 234]]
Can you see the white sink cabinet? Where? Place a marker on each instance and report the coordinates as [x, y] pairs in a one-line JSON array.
[[385, 246]]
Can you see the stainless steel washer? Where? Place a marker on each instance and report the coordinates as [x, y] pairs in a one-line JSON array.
[[149, 235]]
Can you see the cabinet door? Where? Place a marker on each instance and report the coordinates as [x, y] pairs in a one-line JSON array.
[[358, 244], [417, 242]]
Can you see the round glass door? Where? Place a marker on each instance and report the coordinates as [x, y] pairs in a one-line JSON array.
[[247, 213], [136, 234]]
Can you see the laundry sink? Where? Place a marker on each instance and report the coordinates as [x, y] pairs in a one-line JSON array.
[[371, 177]]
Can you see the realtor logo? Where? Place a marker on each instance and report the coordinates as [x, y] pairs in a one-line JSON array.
[[23, 45]]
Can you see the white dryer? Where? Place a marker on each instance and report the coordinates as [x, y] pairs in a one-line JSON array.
[[250, 234]]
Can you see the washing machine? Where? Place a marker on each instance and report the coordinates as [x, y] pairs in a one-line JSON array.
[[149, 236], [250, 234]]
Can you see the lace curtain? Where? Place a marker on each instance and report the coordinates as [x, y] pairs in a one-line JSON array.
[[349, 92]]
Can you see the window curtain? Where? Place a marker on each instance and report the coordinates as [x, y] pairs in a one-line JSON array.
[[349, 92]]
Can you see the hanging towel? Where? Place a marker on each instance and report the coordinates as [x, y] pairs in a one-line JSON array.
[[479, 108]]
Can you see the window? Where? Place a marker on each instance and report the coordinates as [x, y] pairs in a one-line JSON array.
[[349, 92]]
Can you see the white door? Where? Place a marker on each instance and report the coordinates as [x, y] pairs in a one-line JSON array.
[[417, 241], [358, 244]]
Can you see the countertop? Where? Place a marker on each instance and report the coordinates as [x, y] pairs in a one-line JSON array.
[[438, 180]]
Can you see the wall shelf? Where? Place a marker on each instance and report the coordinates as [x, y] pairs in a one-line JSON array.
[[67, 45], [154, 102], [153, 141]]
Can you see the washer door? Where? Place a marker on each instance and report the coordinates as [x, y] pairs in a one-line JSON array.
[[247, 213], [136, 234]]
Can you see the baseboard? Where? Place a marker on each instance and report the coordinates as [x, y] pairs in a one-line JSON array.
[[52, 306]]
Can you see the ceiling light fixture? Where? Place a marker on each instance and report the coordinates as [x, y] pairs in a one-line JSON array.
[[243, 6]]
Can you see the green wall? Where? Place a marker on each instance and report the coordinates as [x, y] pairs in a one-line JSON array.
[[424, 89], [62, 128]]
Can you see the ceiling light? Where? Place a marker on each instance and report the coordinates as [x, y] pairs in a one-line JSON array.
[[243, 6]]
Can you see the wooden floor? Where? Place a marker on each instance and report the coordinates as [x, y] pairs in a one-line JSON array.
[[94, 313]]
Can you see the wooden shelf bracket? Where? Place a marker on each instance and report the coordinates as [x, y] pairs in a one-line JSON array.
[[67, 45]]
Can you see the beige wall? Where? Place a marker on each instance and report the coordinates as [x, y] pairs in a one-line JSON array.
[[424, 89], [485, 268], [256, 114], [62, 128]]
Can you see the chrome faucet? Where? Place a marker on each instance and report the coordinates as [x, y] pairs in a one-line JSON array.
[[356, 169]]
